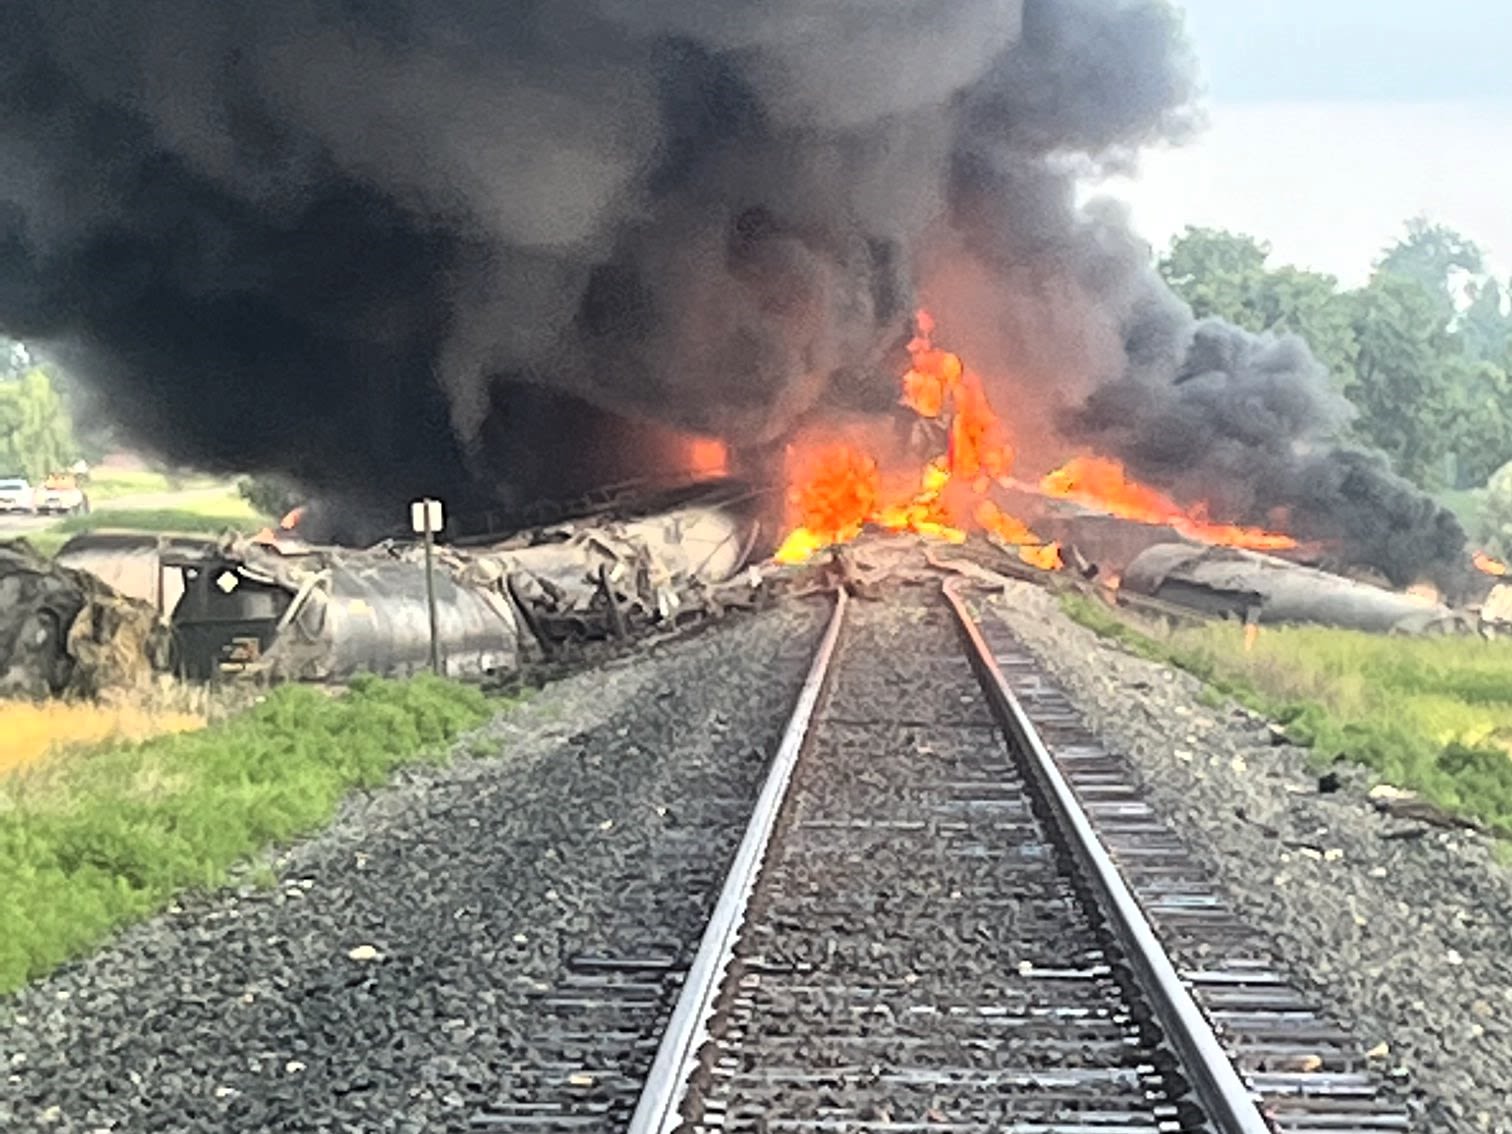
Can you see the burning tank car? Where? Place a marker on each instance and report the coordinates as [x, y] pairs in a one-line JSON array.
[[285, 610]]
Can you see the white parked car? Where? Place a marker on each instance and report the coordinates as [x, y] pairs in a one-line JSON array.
[[59, 495], [16, 495]]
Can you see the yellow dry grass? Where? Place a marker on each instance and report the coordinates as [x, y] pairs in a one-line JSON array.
[[30, 732]]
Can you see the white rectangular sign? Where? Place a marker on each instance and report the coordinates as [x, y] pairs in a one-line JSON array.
[[425, 516]]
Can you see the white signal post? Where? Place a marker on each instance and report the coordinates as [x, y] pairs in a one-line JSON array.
[[426, 518]]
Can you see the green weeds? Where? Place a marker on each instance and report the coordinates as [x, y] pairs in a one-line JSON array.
[[95, 839], [109, 483], [1433, 715]]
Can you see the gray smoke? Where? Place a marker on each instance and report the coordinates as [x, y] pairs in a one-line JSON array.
[[1247, 425], [499, 249]]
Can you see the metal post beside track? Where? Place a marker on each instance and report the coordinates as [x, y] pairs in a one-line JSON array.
[[426, 517]]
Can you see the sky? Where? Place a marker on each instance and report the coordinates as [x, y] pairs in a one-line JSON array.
[[1331, 122]]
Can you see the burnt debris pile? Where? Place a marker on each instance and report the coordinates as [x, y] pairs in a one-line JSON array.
[[64, 632]]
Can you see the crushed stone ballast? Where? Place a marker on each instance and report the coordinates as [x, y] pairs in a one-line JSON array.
[[941, 918]]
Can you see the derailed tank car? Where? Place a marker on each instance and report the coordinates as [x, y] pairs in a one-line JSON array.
[[322, 615], [133, 562], [284, 610], [1233, 583], [64, 632]]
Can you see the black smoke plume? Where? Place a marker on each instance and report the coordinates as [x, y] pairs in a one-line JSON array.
[[500, 248], [1246, 425]]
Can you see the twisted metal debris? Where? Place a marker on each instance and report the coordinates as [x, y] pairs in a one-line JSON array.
[[64, 632]]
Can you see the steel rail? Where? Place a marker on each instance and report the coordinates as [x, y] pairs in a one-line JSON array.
[[677, 1055], [1222, 1094]]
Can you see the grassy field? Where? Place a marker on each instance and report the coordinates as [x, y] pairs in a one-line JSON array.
[[110, 484], [141, 500], [97, 838], [207, 511], [1432, 715], [32, 731]]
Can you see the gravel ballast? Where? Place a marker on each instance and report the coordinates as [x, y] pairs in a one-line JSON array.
[[385, 981], [916, 953], [1400, 930]]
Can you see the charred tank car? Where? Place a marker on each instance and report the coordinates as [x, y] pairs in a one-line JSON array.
[[285, 610]]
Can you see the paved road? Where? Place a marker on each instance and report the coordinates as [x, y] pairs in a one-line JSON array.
[[14, 525]]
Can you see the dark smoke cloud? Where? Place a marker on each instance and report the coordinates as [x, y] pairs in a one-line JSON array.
[[499, 249], [1061, 299], [1246, 425]]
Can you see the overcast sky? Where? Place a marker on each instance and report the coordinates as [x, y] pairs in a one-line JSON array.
[[1330, 122]]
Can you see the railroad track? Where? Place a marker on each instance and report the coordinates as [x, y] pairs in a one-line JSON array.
[[923, 930], [952, 911]]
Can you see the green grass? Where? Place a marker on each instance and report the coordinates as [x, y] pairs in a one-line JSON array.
[[1433, 715], [210, 515], [93, 840], [109, 484]]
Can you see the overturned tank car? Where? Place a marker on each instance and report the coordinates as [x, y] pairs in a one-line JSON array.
[[285, 610], [320, 614], [132, 564], [1229, 582]]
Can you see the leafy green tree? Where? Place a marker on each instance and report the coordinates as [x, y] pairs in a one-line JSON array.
[[1480, 420], [1225, 274], [14, 361], [94, 433], [35, 434], [1424, 351], [1218, 273], [1485, 326], [1496, 512], [1311, 305], [1433, 255], [1475, 348], [1407, 377]]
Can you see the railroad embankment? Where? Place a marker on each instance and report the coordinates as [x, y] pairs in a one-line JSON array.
[[1392, 912]]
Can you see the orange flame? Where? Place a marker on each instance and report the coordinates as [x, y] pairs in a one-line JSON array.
[[1046, 557], [837, 490], [707, 457], [833, 496], [1488, 564], [270, 536], [1424, 592], [1102, 483]]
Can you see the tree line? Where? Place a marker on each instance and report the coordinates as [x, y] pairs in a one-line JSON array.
[[36, 433], [1423, 350]]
